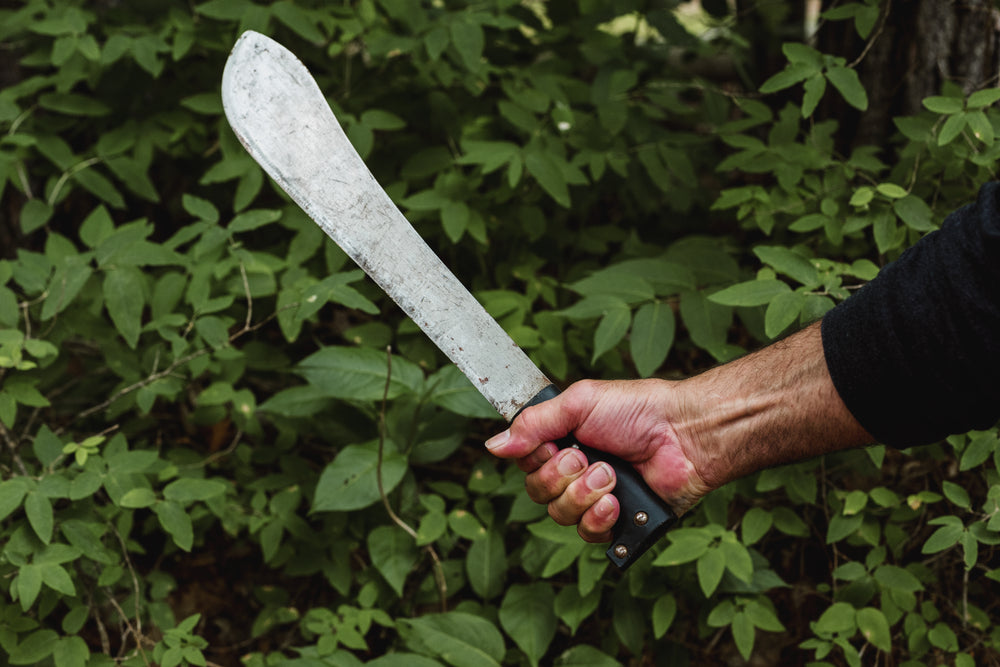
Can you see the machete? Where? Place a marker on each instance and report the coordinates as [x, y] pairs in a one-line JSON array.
[[283, 119]]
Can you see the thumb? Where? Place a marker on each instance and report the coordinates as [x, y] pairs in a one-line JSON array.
[[533, 427]]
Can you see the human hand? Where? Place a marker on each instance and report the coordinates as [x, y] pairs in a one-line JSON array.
[[636, 421]]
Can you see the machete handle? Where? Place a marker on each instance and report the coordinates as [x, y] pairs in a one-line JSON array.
[[643, 517]]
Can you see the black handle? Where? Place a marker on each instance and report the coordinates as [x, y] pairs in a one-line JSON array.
[[643, 518]]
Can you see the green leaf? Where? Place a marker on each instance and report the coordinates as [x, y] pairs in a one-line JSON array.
[[202, 209], [684, 547], [789, 76], [349, 482], [12, 491], [73, 104], [379, 119], [750, 293], [943, 637], [895, 577], [469, 40], [615, 286], [813, 90], [981, 447], [527, 617], [943, 538], [191, 489], [855, 502], [796, 52], [136, 498], [611, 330], [706, 322], [652, 336], [840, 617], [743, 634], [394, 554], [455, 219], [737, 558], [847, 82], [983, 98], [952, 127], [209, 103], [943, 105], [398, 659], [783, 260], [34, 214], [453, 391], [763, 617], [841, 526], [914, 212], [57, 578], [981, 127], [71, 652], [547, 173], [358, 373], [783, 310], [124, 299], [23, 390], [249, 220], [711, 566], [573, 608], [176, 522], [875, 628], [299, 20], [34, 648], [584, 655], [29, 584], [460, 639], [40, 516], [756, 522], [956, 494], [664, 612], [486, 565]]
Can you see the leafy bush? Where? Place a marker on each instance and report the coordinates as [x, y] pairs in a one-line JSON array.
[[208, 455]]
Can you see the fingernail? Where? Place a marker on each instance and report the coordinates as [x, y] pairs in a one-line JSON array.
[[498, 440], [605, 506], [569, 464], [599, 477]]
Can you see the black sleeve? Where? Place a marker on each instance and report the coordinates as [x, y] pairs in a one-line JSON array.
[[915, 354]]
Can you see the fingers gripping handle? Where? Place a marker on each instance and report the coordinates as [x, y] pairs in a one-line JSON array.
[[643, 517]]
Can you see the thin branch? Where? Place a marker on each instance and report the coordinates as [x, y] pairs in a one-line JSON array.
[[134, 387], [131, 629], [217, 455], [101, 630], [80, 166], [12, 446], [156, 375], [246, 290], [135, 579], [439, 578], [875, 35]]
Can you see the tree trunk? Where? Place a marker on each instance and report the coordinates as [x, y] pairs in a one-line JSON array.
[[915, 48]]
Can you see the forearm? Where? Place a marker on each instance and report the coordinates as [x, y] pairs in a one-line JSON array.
[[777, 405]]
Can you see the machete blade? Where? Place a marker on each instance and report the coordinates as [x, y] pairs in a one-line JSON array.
[[283, 119]]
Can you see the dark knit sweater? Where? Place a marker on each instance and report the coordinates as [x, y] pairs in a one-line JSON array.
[[915, 354]]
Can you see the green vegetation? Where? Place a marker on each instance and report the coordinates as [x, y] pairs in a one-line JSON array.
[[204, 462]]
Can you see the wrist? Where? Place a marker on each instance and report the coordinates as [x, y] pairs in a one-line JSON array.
[[775, 406]]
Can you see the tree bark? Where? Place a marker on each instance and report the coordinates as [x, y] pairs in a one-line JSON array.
[[916, 47]]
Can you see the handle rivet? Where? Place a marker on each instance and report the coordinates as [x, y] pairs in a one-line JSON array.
[[621, 551], [640, 518]]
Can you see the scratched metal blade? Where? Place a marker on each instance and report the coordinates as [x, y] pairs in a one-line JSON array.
[[284, 121]]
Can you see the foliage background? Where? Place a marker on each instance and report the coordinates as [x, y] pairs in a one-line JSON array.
[[203, 461]]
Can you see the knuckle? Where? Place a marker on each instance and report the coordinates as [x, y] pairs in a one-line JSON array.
[[559, 516]]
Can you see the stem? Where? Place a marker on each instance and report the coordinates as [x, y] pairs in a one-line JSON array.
[[439, 578]]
